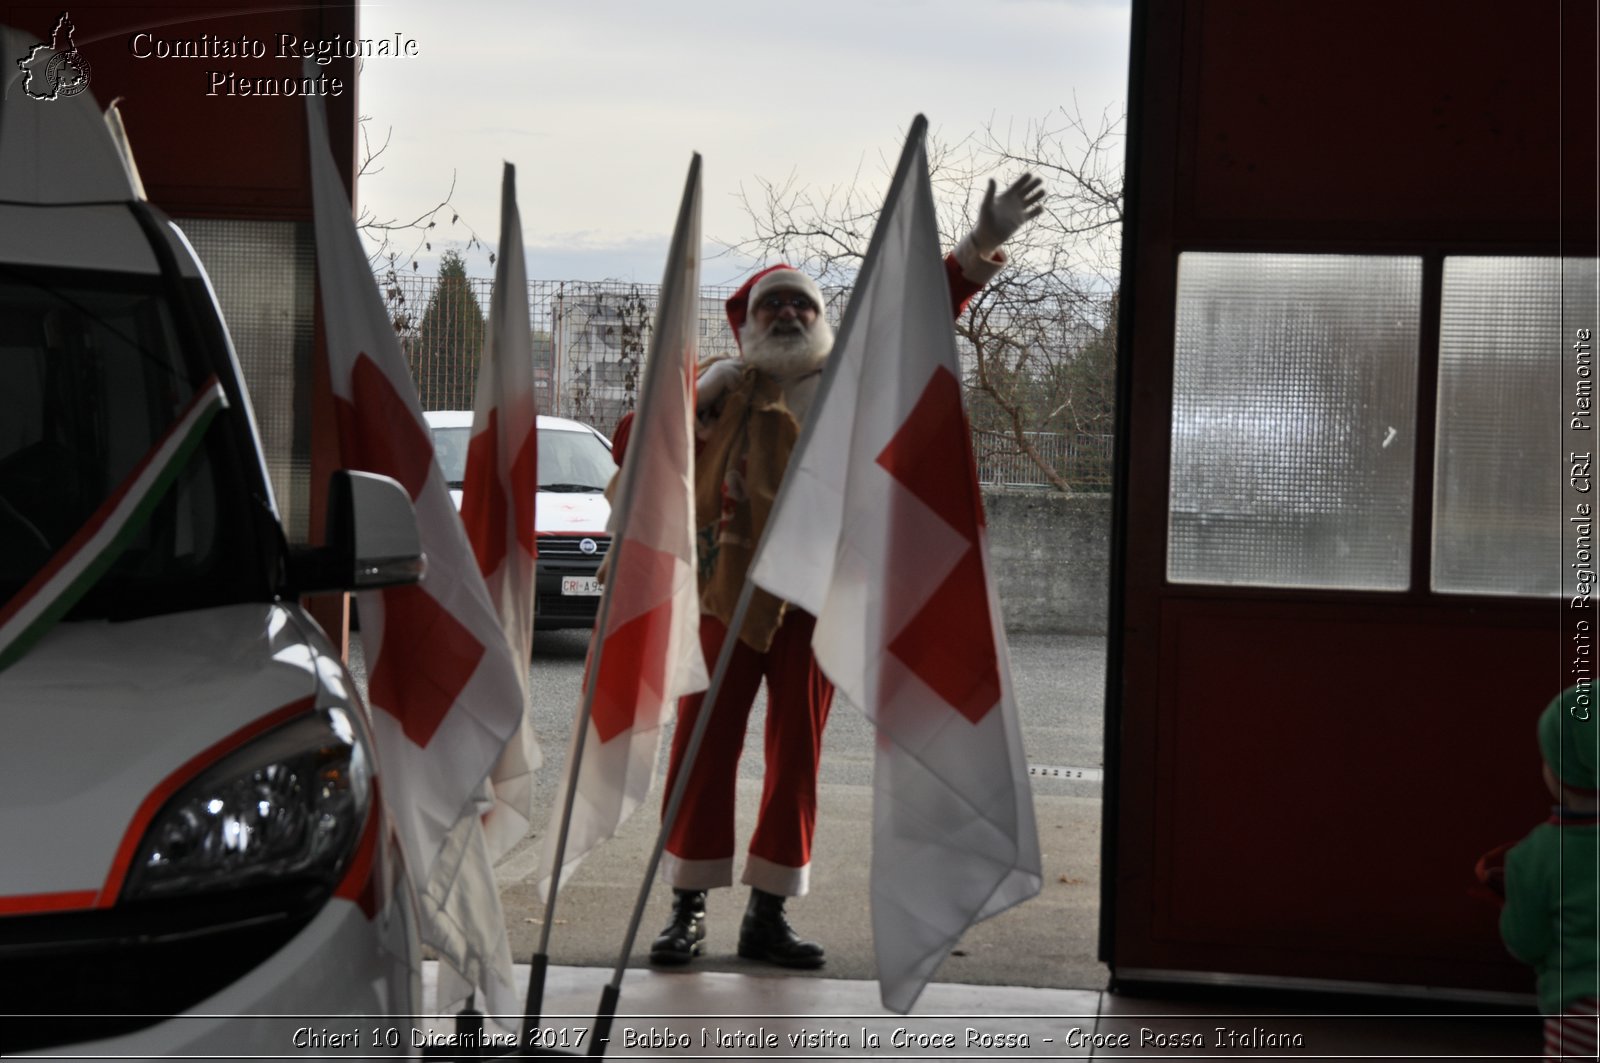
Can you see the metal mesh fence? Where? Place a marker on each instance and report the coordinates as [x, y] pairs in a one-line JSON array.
[[1083, 460], [590, 339]]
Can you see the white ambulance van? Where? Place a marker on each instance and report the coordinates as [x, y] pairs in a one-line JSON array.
[[570, 509], [193, 858]]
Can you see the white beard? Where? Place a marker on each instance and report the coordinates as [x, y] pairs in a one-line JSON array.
[[795, 359], [787, 355]]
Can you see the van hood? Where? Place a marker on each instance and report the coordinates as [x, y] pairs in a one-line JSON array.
[[559, 513], [99, 715]]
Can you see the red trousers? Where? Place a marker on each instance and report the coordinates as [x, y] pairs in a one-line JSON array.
[[700, 845]]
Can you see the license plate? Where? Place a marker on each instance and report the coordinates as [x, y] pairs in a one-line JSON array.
[[583, 586]]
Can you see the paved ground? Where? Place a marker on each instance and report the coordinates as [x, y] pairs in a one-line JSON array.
[[717, 1016], [1047, 942]]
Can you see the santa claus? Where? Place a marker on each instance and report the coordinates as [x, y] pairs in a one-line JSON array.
[[750, 410]]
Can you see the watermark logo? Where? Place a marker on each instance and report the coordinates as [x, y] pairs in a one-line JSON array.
[[55, 70]]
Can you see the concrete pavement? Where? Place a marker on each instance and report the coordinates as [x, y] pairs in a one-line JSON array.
[[1048, 942]]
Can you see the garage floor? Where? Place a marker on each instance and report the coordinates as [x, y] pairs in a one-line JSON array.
[[719, 1015]]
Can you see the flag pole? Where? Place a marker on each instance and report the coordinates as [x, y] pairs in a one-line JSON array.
[[919, 129], [613, 991], [540, 961]]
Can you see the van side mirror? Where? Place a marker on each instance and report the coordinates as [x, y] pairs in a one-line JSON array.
[[372, 538]]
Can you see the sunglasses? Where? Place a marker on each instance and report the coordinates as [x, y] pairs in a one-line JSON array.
[[776, 303]]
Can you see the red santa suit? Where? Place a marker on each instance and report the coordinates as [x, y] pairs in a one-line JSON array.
[[747, 432]]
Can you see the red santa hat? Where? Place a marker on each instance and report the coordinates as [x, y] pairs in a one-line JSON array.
[[781, 277]]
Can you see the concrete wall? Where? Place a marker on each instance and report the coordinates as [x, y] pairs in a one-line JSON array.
[[1052, 558]]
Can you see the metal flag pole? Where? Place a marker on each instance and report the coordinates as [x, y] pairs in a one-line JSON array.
[[540, 961], [612, 993]]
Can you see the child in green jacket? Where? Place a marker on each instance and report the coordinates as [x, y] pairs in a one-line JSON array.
[[1551, 918]]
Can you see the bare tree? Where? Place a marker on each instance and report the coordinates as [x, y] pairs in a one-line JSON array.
[[1084, 161], [398, 241], [1038, 340]]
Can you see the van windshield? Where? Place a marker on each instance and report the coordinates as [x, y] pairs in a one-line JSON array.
[[450, 447], [573, 461], [569, 460], [92, 373]]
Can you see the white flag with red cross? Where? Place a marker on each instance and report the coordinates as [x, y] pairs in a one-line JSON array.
[[646, 653], [497, 504], [443, 688], [879, 531]]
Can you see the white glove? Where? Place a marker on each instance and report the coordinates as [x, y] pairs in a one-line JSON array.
[[1001, 216], [718, 377]]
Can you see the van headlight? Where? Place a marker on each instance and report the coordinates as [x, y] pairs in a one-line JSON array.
[[288, 805]]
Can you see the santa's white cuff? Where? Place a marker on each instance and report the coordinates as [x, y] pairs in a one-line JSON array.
[[781, 879], [975, 265], [683, 874], [715, 379]]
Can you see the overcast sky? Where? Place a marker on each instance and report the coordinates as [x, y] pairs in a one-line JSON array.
[[599, 105]]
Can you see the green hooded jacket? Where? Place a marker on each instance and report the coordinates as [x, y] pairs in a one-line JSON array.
[[1551, 919]]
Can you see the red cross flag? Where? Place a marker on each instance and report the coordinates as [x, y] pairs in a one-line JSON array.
[[443, 688], [646, 652], [497, 503], [878, 530]]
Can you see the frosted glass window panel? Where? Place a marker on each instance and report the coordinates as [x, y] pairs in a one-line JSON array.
[[1293, 420], [1505, 372], [264, 274]]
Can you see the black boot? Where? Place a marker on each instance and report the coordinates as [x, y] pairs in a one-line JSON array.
[[766, 935], [680, 939]]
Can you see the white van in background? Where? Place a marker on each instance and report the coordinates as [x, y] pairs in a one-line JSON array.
[[570, 509]]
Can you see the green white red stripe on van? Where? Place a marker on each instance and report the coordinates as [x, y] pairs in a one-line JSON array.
[[75, 568]]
